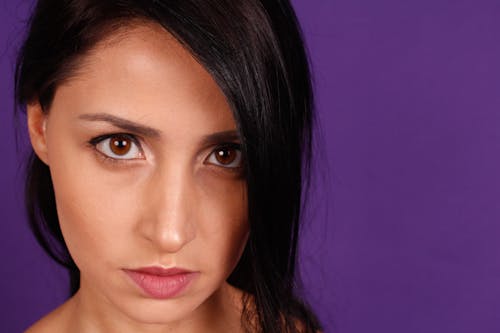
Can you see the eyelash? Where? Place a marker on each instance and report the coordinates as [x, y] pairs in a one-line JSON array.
[[95, 141]]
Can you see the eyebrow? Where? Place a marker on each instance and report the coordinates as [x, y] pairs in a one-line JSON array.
[[225, 136], [146, 131], [122, 123]]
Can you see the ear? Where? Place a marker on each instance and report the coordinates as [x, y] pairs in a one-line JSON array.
[[37, 121]]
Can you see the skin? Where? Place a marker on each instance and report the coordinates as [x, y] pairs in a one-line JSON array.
[[169, 204]]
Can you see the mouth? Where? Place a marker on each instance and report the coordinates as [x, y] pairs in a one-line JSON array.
[[160, 283]]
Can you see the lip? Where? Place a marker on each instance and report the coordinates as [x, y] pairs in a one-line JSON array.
[[161, 283]]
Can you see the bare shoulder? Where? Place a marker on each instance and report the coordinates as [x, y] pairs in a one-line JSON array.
[[41, 326], [55, 321]]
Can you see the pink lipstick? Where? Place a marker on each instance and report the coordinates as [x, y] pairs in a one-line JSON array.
[[161, 283]]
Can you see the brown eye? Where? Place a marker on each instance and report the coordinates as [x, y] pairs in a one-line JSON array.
[[226, 156], [118, 146]]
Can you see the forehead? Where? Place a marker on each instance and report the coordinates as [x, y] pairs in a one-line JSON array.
[[143, 73], [146, 48]]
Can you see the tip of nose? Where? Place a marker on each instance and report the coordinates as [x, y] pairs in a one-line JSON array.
[[171, 237], [167, 219]]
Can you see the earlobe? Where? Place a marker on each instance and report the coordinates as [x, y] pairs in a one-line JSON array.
[[37, 123]]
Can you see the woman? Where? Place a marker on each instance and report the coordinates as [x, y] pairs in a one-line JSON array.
[[168, 146]]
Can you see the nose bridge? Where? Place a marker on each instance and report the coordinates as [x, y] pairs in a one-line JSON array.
[[168, 224]]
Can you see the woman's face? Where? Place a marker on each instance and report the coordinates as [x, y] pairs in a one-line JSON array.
[[144, 156]]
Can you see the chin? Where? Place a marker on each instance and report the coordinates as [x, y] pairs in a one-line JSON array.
[[159, 312]]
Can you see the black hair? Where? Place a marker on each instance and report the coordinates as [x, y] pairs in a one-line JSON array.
[[255, 52]]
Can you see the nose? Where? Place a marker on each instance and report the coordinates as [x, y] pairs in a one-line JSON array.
[[168, 211]]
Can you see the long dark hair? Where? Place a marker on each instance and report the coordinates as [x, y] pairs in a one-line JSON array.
[[254, 51]]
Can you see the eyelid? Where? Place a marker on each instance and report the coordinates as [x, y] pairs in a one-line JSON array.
[[230, 145], [94, 142]]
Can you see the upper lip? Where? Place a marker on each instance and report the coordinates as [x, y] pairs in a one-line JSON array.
[[160, 271]]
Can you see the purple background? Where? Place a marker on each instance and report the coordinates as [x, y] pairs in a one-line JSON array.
[[404, 219]]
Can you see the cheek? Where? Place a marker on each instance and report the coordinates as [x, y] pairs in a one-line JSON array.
[[224, 228], [94, 209]]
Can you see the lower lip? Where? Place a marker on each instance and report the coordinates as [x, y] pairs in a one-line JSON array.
[[161, 287]]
